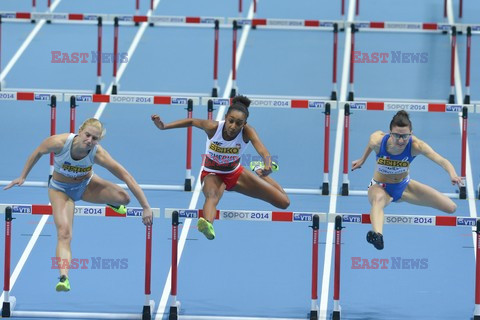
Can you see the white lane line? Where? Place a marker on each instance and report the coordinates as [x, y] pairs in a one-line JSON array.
[[327, 264], [196, 193], [459, 97]]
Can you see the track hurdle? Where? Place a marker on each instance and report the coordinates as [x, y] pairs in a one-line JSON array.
[[410, 107], [416, 220], [8, 307], [244, 215]]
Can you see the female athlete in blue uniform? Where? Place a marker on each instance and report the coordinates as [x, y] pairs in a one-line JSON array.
[[226, 142], [391, 181], [73, 179]]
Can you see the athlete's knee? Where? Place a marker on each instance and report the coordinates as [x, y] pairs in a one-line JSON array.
[[64, 233], [123, 197], [282, 203], [212, 195], [451, 207]]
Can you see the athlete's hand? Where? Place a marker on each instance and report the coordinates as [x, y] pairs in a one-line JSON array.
[[357, 164], [456, 180], [265, 171], [16, 182], [158, 122], [147, 217]]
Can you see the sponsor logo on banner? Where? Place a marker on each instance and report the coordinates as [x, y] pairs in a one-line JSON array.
[[21, 209], [316, 104], [8, 15], [273, 22], [352, 218], [362, 25], [187, 213], [180, 101], [245, 215], [207, 20], [90, 211], [270, 103], [410, 220], [84, 98], [41, 97], [134, 212], [130, 99], [326, 24], [406, 106], [298, 216], [358, 105], [466, 222], [7, 96], [90, 17], [221, 102], [125, 18], [453, 108]]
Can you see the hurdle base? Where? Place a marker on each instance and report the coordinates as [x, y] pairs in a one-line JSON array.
[[451, 99], [463, 193], [8, 307], [478, 192], [313, 315], [325, 189], [466, 100], [98, 89], [345, 189], [476, 318], [350, 96], [188, 185], [137, 24], [173, 315], [233, 93], [333, 96], [6, 310], [215, 92], [336, 315], [114, 89], [146, 313]]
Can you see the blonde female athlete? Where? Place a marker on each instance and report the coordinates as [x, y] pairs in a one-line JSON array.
[[391, 181], [226, 142], [73, 179]]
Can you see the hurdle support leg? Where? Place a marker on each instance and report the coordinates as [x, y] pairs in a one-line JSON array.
[[188, 173], [9, 301], [346, 129], [463, 173], [174, 304], [476, 312], [336, 279], [233, 92], [314, 306], [326, 157], [451, 97]]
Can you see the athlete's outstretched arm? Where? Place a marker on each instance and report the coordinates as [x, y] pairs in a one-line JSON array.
[[103, 158], [51, 144], [261, 149], [373, 145], [207, 125], [423, 148]]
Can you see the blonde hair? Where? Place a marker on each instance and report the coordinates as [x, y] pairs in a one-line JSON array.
[[94, 123]]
